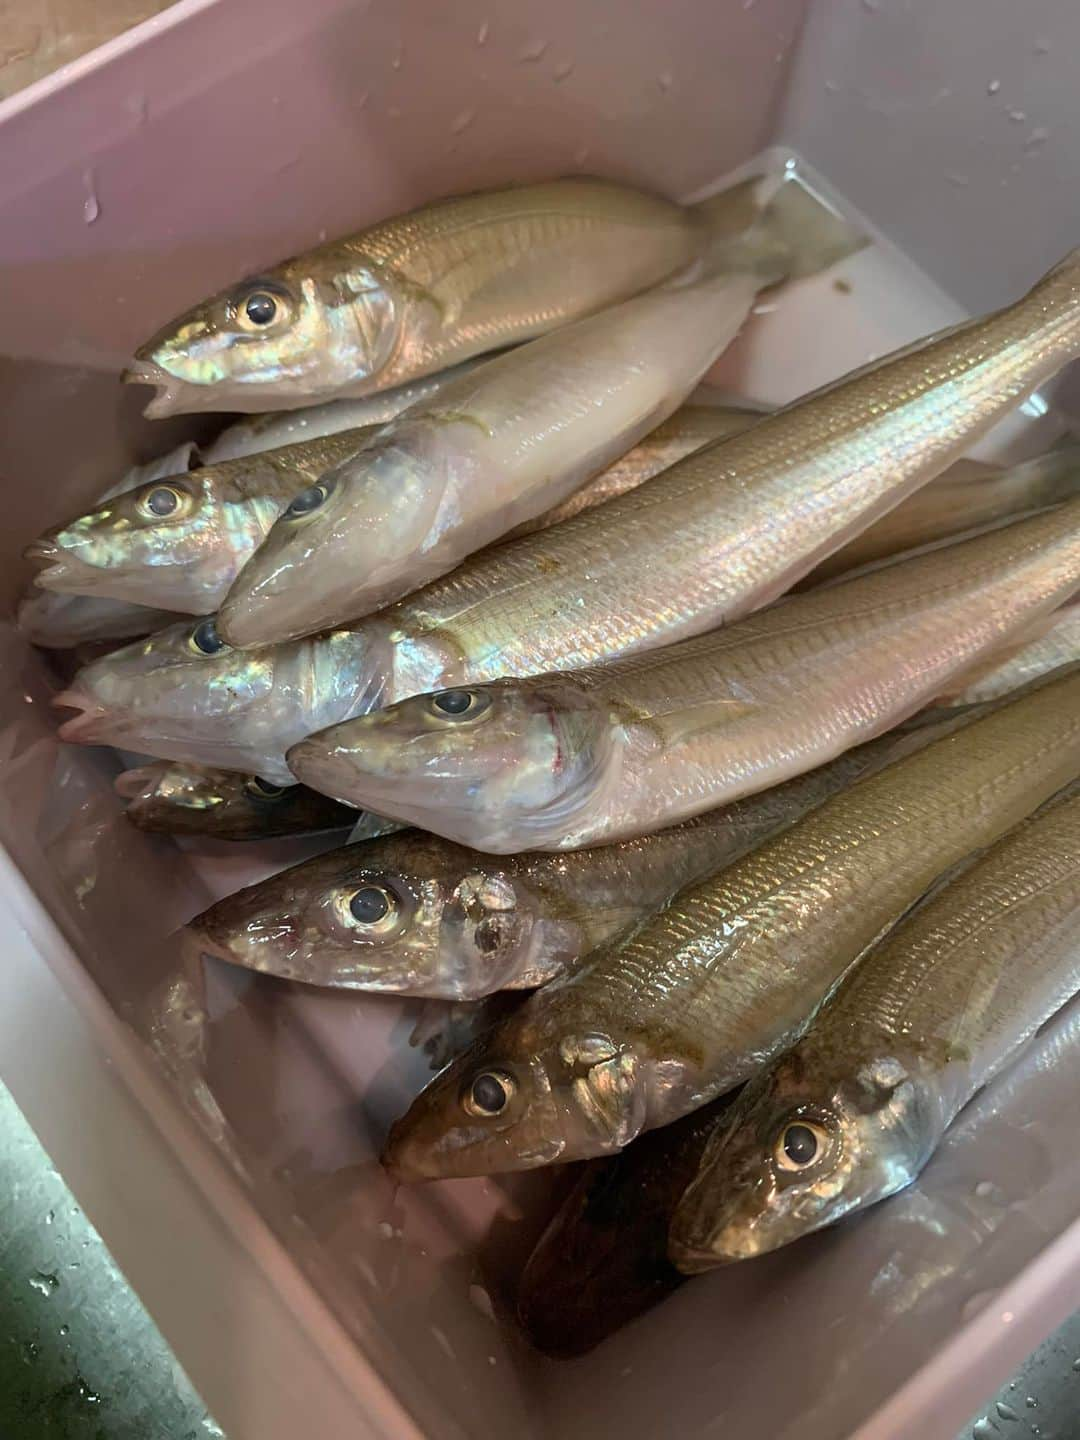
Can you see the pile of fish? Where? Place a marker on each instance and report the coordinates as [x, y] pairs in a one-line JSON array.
[[744, 745]]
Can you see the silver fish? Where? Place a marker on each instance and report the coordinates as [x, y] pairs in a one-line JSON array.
[[416, 915], [420, 292], [62, 622], [564, 761], [853, 1113], [709, 989], [1052, 642], [490, 451]]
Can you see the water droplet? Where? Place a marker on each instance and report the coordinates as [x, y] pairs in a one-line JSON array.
[[480, 1298], [85, 1393], [44, 1283], [581, 155], [483, 33], [213, 1429], [1038, 136], [1076, 1365], [385, 1229], [321, 238], [563, 71], [993, 87], [492, 1360], [831, 86], [871, 5], [1042, 47], [139, 106], [748, 4], [50, 1218], [1006, 1411], [1016, 116], [534, 51], [959, 181], [1031, 1402], [664, 80], [65, 1329], [31, 1350], [91, 205], [362, 99], [462, 121], [396, 61]]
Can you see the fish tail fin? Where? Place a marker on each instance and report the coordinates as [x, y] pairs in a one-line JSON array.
[[790, 234]]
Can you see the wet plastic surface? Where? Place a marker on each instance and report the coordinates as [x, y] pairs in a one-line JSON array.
[[319, 119]]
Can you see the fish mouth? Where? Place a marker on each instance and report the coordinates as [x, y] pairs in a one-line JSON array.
[[170, 390], [42, 552], [84, 727], [59, 571]]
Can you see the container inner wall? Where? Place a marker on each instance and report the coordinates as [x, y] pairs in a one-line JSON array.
[[217, 146]]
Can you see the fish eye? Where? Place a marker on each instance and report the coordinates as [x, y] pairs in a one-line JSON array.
[[800, 1144], [260, 307], [489, 1093], [205, 640], [307, 501], [262, 789], [372, 905], [160, 502], [460, 704]]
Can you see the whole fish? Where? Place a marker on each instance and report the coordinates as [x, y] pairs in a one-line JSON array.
[[490, 451], [179, 541], [1052, 642], [853, 1113], [170, 799], [612, 581], [416, 915], [417, 293], [274, 428], [969, 495], [741, 521], [731, 972], [563, 761], [603, 1260]]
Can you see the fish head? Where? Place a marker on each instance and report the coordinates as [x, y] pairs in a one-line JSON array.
[[303, 331], [527, 1093], [175, 799], [809, 1142], [503, 767], [182, 694], [173, 543], [338, 550], [408, 915]]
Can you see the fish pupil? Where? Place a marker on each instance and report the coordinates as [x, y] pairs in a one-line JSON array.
[[162, 502], [206, 638], [260, 308], [308, 500], [489, 1094], [369, 904], [453, 702], [800, 1144]]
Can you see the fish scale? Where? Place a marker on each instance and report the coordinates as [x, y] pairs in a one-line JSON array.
[[735, 967], [931, 1015]]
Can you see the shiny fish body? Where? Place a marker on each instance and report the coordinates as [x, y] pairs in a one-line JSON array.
[[563, 761], [271, 430], [459, 925], [491, 450], [926, 1020], [968, 495], [1053, 642], [187, 558], [171, 799], [708, 990], [62, 622], [418, 293]]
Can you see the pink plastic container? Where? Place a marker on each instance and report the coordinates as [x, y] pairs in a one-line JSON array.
[[231, 1167]]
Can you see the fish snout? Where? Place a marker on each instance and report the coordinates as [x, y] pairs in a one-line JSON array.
[[83, 727]]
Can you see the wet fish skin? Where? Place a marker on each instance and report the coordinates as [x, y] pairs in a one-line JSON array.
[[272, 429], [602, 1260], [62, 622], [1052, 642], [731, 972], [967, 496], [565, 761], [492, 450], [185, 559], [418, 293], [461, 925], [169, 799], [929, 1017]]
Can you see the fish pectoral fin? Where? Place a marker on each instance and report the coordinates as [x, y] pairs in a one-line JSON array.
[[612, 1098], [675, 727]]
